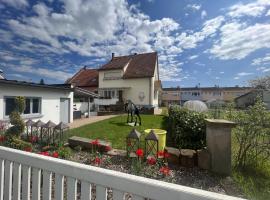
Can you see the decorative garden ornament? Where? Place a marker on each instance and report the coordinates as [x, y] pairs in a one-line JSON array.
[[132, 110]]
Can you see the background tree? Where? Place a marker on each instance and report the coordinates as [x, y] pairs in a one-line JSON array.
[[261, 82]]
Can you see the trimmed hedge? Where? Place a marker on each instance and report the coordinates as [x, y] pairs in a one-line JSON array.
[[187, 129]]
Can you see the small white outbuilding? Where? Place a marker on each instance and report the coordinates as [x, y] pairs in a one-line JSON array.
[[43, 102]]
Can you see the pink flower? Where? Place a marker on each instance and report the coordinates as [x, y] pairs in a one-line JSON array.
[[165, 170]]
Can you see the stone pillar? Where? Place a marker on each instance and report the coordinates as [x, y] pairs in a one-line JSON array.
[[218, 140]]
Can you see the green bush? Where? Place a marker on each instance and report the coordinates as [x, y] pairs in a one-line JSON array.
[[15, 118], [17, 143], [187, 129], [252, 135]]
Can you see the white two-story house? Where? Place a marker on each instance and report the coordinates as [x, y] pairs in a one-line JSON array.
[[133, 77]]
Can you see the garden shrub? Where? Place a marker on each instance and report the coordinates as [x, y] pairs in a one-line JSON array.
[[15, 118], [252, 135], [187, 129], [18, 143]]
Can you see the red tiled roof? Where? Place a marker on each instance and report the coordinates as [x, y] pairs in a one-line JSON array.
[[85, 78], [138, 65]]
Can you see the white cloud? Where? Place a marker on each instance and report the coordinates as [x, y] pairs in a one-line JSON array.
[[94, 28], [237, 40], [253, 9], [189, 41], [194, 7], [221, 72], [16, 3], [43, 72], [268, 13], [244, 74], [236, 78], [263, 69], [192, 57], [203, 14], [262, 61]]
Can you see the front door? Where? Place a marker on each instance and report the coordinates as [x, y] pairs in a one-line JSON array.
[[64, 110], [120, 95]]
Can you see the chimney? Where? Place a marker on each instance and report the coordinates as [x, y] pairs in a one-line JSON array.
[[112, 56], [2, 74], [135, 54]]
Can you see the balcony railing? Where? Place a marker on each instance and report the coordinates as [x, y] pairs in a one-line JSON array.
[[26, 175], [106, 102]]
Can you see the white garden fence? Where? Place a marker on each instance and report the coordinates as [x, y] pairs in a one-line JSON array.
[[27, 176]]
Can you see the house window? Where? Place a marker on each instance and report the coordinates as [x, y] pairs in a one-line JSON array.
[[32, 105]]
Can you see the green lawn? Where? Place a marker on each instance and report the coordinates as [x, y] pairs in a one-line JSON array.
[[115, 129]]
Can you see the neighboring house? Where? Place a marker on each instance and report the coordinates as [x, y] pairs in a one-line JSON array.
[[205, 94], [44, 102], [171, 96], [249, 98], [133, 77], [193, 93], [86, 79]]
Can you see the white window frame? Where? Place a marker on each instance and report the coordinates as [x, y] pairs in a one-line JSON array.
[[31, 114]]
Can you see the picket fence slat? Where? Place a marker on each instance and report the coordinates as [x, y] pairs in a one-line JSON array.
[[86, 190], [59, 187], [8, 180], [36, 183], [101, 192], [71, 188], [2, 172], [26, 173], [119, 195], [17, 181], [47, 185]]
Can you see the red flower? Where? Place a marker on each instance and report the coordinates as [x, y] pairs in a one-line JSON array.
[[45, 153], [97, 160], [129, 143], [107, 148], [95, 142], [166, 155], [151, 161], [2, 138], [160, 154], [28, 149], [55, 154], [165, 171], [139, 152]]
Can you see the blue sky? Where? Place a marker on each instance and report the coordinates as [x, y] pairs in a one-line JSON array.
[[207, 42]]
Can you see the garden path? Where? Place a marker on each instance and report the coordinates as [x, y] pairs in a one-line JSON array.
[[81, 122]]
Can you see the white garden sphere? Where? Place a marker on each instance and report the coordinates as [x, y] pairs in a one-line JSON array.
[[196, 105]]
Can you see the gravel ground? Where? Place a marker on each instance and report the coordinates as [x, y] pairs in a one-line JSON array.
[[192, 177]]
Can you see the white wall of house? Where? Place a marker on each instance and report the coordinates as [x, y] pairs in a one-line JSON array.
[[139, 90], [50, 101], [134, 87]]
